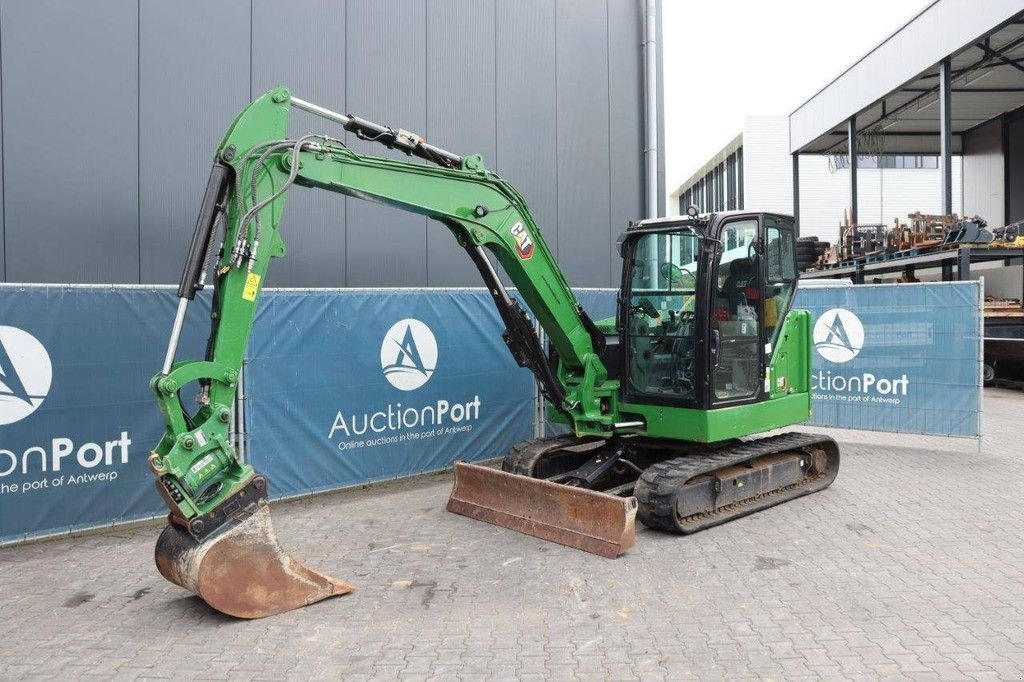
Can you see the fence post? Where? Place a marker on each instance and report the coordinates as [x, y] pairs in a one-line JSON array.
[[981, 359]]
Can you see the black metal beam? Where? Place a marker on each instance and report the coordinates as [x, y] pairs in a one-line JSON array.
[[985, 47], [908, 133], [944, 260], [945, 136], [959, 72], [980, 91]]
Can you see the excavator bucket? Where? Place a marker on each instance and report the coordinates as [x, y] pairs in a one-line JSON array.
[[592, 521], [242, 571]]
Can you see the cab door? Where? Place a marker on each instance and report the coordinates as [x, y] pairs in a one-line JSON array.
[[737, 314]]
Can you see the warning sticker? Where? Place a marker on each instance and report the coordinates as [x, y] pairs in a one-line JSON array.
[[252, 285]]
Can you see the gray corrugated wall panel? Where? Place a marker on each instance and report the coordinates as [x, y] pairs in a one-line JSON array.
[[625, 85], [71, 197], [525, 100], [460, 110], [984, 191], [312, 66], [193, 80], [583, 134], [386, 83], [70, 90], [3, 259], [1015, 169]]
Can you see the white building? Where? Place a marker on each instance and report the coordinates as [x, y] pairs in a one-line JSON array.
[[755, 171]]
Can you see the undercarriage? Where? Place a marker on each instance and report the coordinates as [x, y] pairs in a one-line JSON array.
[[594, 489]]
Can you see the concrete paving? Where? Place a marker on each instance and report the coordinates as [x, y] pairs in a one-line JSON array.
[[910, 566]]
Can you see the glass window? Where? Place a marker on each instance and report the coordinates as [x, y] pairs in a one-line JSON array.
[[780, 277], [661, 312], [866, 162], [736, 316]]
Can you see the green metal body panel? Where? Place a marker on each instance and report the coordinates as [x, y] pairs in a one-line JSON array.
[[788, 401], [723, 423], [195, 459], [607, 326]]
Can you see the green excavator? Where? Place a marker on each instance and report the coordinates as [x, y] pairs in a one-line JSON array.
[[705, 350]]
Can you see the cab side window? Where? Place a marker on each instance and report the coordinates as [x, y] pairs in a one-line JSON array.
[[780, 277], [737, 313]]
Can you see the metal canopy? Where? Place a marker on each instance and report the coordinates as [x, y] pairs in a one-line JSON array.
[[987, 77]]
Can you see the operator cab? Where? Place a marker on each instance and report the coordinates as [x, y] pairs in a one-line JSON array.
[[703, 299]]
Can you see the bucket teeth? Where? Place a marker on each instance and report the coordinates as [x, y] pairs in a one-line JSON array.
[[592, 521], [242, 571]]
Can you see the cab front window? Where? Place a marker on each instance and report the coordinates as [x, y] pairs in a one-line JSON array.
[[661, 314]]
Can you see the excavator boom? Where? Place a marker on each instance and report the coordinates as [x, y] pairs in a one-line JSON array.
[[219, 542]]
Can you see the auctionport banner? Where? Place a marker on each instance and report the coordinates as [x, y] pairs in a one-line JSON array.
[[350, 386], [897, 357], [344, 387], [77, 419], [347, 387]]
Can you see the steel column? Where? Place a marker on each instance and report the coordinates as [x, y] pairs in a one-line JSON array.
[[946, 134], [796, 192], [740, 204], [1004, 132], [651, 106], [851, 139], [963, 266]]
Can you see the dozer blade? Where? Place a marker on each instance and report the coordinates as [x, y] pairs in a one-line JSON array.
[[584, 519], [242, 571]]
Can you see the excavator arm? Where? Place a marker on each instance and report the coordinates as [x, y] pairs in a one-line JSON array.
[[219, 536]]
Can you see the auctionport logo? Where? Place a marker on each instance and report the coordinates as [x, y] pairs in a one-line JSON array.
[[838, 335], [408, 354], [25, 374]]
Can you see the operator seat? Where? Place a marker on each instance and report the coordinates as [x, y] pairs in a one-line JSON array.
[[738, 287]]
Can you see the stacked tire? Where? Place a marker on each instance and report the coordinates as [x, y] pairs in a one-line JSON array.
[[808, 251]]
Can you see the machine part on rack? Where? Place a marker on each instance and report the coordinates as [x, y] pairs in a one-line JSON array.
[[973, 231]]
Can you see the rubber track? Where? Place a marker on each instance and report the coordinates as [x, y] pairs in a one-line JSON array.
[[658, 485], [523, 456]]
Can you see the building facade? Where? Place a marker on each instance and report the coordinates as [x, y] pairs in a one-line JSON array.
[[111, 111], [755, 171]]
